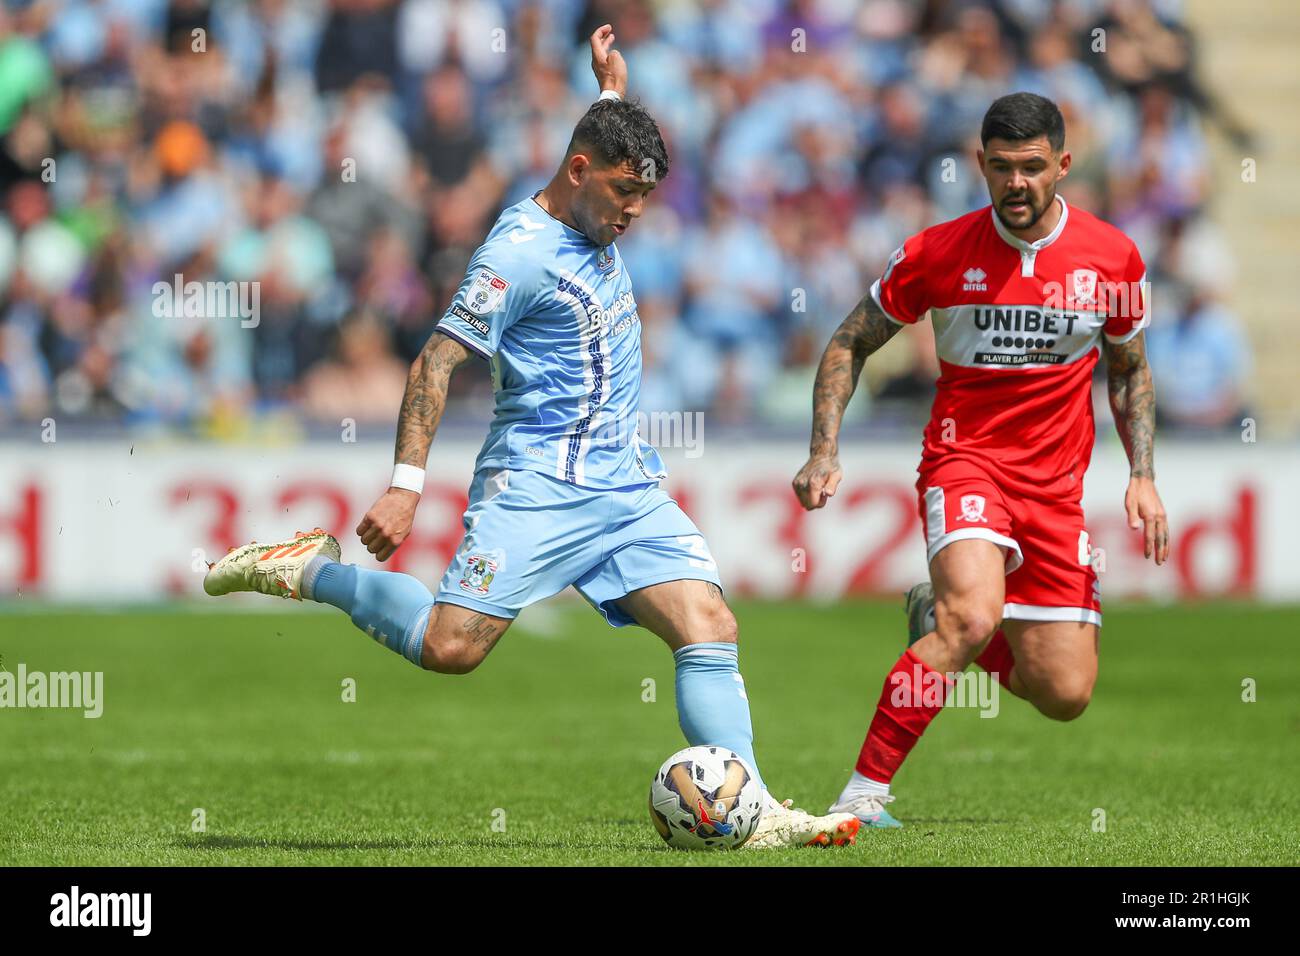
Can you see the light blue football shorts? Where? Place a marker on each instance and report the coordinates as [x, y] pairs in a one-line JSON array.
[[528, 536]]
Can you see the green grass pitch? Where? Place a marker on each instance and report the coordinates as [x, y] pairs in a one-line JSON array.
[[242, 715]]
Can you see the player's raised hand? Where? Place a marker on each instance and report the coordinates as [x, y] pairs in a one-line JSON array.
[[607, 63], [817, 480], [388, 522], [1146, 511]]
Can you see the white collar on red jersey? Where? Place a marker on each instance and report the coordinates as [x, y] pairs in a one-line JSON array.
[[1018, 243]]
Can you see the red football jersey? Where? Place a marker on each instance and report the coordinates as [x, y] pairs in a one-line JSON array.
[[1017, 327]]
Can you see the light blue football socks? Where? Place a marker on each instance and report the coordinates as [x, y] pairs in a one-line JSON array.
[[711, 704], [393, 608], [390, 607]]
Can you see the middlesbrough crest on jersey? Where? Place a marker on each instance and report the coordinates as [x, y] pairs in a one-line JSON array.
[[972, 508], [1085, 285]]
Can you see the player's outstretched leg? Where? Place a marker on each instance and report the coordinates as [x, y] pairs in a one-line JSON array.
[[969, 584], [390, 607], [712, 706]]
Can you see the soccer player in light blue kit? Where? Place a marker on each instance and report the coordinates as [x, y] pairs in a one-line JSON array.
[[564, 490]]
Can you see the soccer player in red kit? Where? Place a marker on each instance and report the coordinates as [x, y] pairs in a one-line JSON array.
[[1024, 294]]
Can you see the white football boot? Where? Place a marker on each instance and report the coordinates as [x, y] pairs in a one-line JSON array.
[[870, 809], [270, 568], [783, 825]]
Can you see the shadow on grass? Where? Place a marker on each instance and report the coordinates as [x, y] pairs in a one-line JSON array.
[[268, 843], [932, 821]]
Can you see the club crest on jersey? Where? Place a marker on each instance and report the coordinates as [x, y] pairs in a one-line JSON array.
[[1085, 285], [975, 280], [480, 569], [604, 261], [486, 293], [972, 508]]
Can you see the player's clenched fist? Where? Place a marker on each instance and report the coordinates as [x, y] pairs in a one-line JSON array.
[[817, 480], [388, 522]]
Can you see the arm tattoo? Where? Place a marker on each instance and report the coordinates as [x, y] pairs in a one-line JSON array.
[[864, 331], [1133, 402], [425, 398]]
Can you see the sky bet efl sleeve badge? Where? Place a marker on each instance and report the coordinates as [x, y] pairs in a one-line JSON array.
[[486, 293]]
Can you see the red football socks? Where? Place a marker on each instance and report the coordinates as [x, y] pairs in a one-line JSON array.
[[997, 659], [913, 695]]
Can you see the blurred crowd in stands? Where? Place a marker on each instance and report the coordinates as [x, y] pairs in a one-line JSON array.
[[349, 155]]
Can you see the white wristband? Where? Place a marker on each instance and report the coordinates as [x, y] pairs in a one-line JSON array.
[[408, 478], [610, 95]]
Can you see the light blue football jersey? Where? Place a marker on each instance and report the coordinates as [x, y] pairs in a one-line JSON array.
[[554, 315]]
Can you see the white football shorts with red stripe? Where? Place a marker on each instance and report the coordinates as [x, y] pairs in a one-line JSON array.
[[1049, 560]]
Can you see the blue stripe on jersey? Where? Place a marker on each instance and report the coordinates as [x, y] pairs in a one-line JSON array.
[[571, 286]]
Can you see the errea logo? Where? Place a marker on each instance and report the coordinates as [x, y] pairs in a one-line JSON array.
[[974, 281]]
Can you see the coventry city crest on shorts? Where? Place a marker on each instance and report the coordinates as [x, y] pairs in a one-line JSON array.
[[480, 569]]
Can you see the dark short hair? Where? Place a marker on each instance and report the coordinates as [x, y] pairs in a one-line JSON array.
[[1020, 116], [619, 131]]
